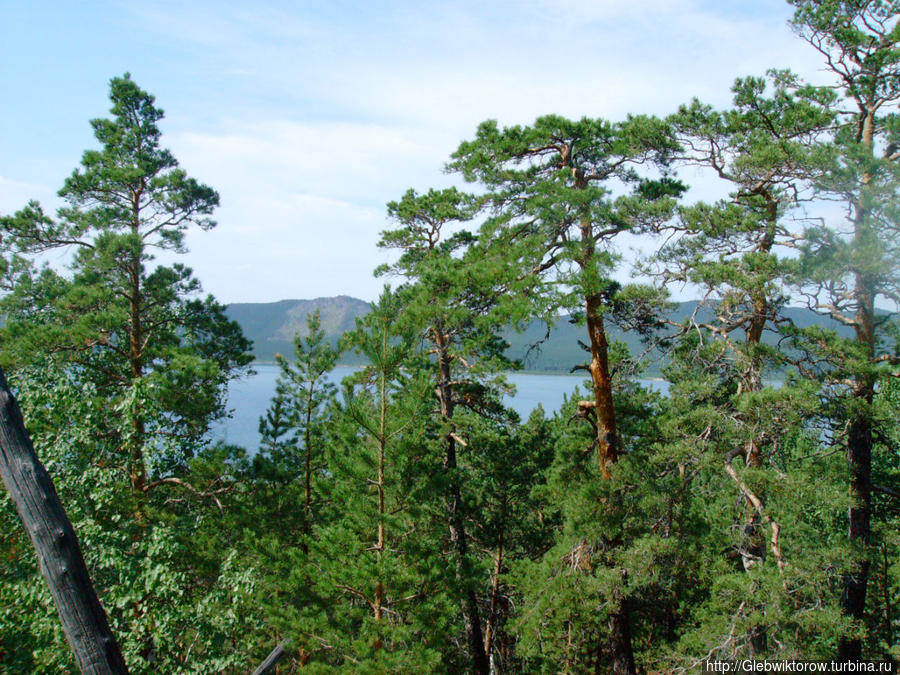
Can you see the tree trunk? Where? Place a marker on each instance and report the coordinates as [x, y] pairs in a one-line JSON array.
[[59, 554], [269, 663], [855, 582], [570, 658], [493, 618], [307, 473], [455, 519], [378, 607], [607, 455], [751, 381], [307, 442], [604, 408], [607, 443], [136, 345], [607, 438], [859, 436], [620, 639]]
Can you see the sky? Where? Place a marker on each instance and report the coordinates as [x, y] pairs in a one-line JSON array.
[[308, 117]]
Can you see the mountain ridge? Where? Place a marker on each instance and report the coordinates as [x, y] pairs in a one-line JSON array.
[[272, 325]]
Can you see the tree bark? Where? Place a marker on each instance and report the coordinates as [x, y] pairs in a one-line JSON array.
[[606, 440], [751, 381], [494, 611], [607, 437], [136, 345], [269, 663], [607, 455], [855, 582], [82, 616], [378, 607], [307, 441]]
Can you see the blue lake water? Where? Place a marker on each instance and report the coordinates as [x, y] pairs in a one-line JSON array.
[[249, 398]]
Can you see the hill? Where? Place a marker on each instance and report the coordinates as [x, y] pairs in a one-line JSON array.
[[272, 325]]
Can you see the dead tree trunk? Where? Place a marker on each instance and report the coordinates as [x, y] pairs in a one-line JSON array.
[[268, 665], [62, 564]]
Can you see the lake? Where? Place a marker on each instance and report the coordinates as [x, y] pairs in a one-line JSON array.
[[249, 398]]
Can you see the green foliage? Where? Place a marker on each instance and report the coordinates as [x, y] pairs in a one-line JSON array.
[[121, 368], [169, 614], [849, 266], [554, 187], [784, 590], [294, 428], [114, 319], [378, 557]]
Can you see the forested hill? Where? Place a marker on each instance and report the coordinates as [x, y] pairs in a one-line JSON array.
[[272, 325]]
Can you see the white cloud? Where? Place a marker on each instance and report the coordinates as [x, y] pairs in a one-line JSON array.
[[331, 159], [308, 117], [302, 205]]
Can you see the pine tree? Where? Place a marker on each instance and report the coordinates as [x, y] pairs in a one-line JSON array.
[[764, 535], [140, 334], [509, 462], [457, 299], [852, 264], [551, 186], [766, 148], [383, 607], [299, 411], [122, 367]]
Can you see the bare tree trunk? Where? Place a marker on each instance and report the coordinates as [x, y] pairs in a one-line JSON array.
[[307, 478], [59, 554], [607, 443], [271, 661], [570, 659], [859, 457], [606, 439], [307, 474], [751, 381], [378, 606], [136, 345]]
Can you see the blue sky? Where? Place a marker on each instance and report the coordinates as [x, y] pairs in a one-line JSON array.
[[308, 117]]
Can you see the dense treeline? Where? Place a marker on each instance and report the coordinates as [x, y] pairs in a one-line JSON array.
[[406, 521]]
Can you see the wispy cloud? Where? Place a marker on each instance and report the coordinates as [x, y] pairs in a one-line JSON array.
[[308, 117], [302, 204]]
